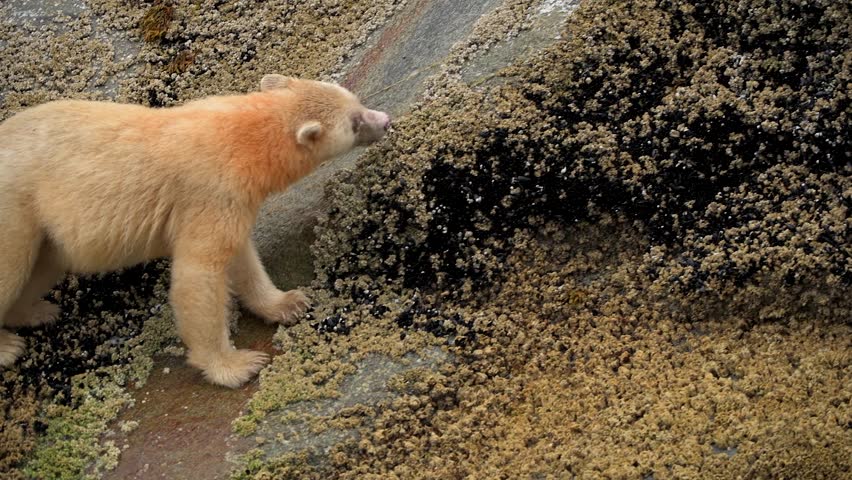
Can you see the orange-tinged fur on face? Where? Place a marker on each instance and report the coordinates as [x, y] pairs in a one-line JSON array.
[[91, 186]]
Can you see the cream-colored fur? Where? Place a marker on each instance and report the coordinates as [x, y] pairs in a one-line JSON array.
[[89, 186]]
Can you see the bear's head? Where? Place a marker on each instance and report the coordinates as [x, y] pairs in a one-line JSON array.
[[328, 119]]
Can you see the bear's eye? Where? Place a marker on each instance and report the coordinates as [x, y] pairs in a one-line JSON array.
[[356, 122]]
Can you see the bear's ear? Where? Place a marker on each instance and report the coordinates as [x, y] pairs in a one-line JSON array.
[[273, 81], [309, 133]]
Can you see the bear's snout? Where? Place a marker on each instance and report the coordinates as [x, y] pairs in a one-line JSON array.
[[375, 125], [378, 119]]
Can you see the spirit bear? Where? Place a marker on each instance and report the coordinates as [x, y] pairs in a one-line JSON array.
[[90, 186]]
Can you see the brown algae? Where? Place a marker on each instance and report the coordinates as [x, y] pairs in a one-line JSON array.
[[156, 20], [636, 249]]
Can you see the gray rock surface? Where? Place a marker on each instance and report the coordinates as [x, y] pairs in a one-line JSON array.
[[389, 74]]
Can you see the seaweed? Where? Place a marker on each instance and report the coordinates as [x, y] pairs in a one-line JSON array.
[[155, 23]]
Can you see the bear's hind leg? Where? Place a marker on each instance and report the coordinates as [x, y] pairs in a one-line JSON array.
[[19, 245], [30, 310]]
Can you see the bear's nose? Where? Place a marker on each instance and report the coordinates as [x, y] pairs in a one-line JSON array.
[[378, 119], [385, 121]]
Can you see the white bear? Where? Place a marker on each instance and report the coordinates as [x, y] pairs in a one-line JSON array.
[[92, 186]]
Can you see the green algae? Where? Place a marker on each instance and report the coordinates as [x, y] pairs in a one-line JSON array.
[[292, 377], [72, 380], [72, 445], [70, 448], [287, 467]]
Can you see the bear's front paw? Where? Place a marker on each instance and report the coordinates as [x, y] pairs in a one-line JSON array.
[[41, 313], [287, 307], [11, 347], [232, 368]]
